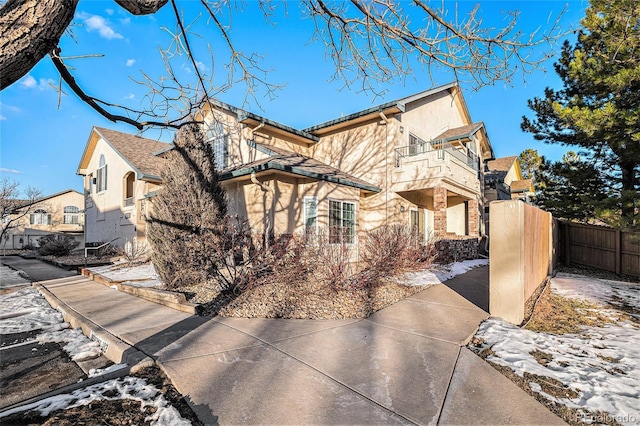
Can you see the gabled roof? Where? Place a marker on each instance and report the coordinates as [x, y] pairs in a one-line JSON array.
[[267, 125], [138, 152], [524, 185], [501, 164], [389, 108], [18, 204], [464, 132], [294, 163]]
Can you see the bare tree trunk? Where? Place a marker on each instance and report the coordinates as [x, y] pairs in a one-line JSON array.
[[629, 194], [29, 29]]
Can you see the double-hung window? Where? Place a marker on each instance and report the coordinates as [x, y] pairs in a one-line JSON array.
[[71, 215], [40, 217], [101, 175], [342, 222], [220, 143]]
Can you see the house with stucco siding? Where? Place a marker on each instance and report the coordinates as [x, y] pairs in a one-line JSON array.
[[60, 213], [417, 161]]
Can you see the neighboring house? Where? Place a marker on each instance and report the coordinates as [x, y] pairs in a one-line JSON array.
[[59, 213], [120, 171], [503, 180], [415, 162]]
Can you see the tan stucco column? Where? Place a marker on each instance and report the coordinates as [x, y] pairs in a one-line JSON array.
[[439, 211], [474, 218]]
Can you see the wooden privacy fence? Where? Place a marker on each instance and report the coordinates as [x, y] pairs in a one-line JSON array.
[[599, 247], [521, 256]]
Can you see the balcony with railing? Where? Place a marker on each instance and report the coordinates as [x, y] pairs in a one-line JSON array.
[[423, 164]]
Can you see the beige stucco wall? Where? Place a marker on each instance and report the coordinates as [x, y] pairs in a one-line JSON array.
[[107, 216], [367, 151], [282, 198], [25, 233]]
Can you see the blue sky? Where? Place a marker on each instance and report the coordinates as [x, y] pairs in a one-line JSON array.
[[42, 142]]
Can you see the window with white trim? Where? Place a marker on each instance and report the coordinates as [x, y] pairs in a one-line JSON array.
[[40, 217], [220, 144], [310, 215], [342, 222], [101, 175], [71, 215]]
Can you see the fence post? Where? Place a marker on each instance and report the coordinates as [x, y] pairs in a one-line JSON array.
[[618, 251], [567, 243]]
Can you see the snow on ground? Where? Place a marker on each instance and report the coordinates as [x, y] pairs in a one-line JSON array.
[[11, 278], [600, 363], [139, 275], [439, 274], [615, 293], [27, 310], [133, 388]]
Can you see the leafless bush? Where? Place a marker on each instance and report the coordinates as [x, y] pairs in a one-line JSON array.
[[136, 251], [391, 249], [333, 263], [252, 261]]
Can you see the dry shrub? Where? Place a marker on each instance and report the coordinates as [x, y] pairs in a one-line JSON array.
[[136, 251], [333, 263], [56, 245], [391, 249], [280, 258]]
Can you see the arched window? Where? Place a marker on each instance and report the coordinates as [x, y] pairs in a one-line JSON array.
[[129, 180], [40, 217], [71, 215], [101, 175]]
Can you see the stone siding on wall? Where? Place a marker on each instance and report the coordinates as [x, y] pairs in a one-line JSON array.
[[455, 249]]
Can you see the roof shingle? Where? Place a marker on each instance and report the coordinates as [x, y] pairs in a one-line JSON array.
[[138, 151]]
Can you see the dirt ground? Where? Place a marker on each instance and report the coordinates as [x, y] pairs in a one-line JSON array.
[[114, 413]]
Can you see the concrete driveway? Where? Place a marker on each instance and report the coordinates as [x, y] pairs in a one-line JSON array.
[[405, 364]]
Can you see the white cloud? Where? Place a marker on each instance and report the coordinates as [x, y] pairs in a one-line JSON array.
[[109, 11], [125, 21], [100, 25], [130, 62], [12, 171], [2, 117], [31, 83], [130, 96]]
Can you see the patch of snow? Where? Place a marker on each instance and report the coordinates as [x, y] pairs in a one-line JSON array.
[[132, 388], [12, 278], [94, 372], [614, 293], [439, 274], [122, 272], [599, 363], [77, 345], [26, 310]]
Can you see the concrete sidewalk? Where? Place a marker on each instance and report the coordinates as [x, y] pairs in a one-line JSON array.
[[405, 364]]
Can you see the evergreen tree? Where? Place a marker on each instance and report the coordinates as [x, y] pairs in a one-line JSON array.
[[571, 189], [530, 162], [598, 107], [187, 227]]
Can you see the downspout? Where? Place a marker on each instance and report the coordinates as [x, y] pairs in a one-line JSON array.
[[264, 189], [386, 167]]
